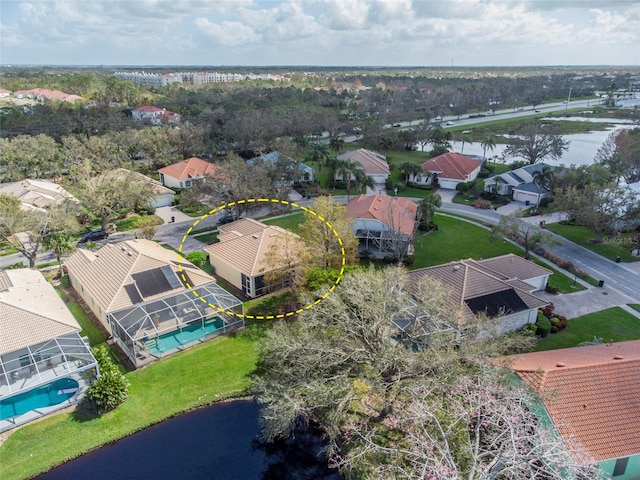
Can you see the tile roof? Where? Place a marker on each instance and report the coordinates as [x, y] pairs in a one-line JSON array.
[[591, 393], [468, 280], [512, 267], [158, 188], [36, 194], [396, 212], [451, 165], [372, 162], [107, 273], [48, 94], [148, 109], [31, 311], [244, 245], [193, 167]]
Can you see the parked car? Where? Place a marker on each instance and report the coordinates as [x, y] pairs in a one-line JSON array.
[[449, 123], [537, 111], [438, 118], [93, 235], [226, 218]]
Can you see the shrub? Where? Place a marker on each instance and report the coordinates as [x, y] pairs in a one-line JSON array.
[[482, 204], [544, 326], [110, 389], [552, 288], [199, 259], [545, 202], [548, 310]]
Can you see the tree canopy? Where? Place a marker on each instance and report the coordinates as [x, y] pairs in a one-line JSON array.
[[536, 142]]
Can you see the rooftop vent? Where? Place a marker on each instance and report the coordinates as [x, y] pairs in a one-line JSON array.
[[560, 364], [456, 268], [618, 357], [255, 236]]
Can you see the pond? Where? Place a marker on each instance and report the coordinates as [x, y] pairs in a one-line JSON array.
[[217, 442], [582, 147]]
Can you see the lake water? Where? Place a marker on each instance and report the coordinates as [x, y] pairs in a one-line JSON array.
[[217, 443], [582, 148]]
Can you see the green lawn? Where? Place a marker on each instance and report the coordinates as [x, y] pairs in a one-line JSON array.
[[610, 248], [635, 306], [136, 221], [204, 374], [207, 238], [89, 329], [611, 324], [455, 240], [288, 222]]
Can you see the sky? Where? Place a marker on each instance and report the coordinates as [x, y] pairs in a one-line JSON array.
[[392, 33]]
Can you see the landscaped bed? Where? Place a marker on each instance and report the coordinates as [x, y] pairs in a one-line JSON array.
[[612, 324]]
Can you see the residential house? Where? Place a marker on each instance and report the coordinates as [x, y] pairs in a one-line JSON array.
[[154, 114], [150, 299], [42, 94], [241, 257], [519, 184], [384, 225], [36, 194], [448, 170], [44, 363], [500, 288], [374, 164], [162, 196], [592, 396], [4, 92], [183, 174], [304, 172]]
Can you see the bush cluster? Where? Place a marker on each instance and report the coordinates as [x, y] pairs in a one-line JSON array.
[[110, 389], [482, 204]]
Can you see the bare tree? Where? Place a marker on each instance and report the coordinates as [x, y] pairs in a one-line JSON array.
[[527, 234], [534, 143]]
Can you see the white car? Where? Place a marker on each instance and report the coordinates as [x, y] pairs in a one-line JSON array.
[[449, 123]]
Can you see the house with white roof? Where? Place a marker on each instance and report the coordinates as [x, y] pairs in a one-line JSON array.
[[154, 114], [151, 300], [36, 194], [374, 164], [241, 255], [44, 363]]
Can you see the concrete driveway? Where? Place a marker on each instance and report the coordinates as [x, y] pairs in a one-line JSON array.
[[594, 299], [166, 213]]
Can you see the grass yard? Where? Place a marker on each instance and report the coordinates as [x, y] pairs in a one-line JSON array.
[[288, 222], [89, 329], [635, 306], [207, 238], [133, 222], [455, 240], [202, 375], [610, 248], [611, 324]]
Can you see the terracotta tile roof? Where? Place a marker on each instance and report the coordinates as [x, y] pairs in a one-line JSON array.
[[31, 311], [467, 281], [4, 91], [451, 165], [107, 272], [193, 167], [396, 212], [36, 193], [48, 94], [247, 252], [372, 162], [594, 398], [148, 109]]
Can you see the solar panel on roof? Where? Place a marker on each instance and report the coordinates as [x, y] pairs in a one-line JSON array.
[[133, 293], [151, 282], [498, 303]]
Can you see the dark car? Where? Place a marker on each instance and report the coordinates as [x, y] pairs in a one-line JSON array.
[[226, 218], [93, 235]]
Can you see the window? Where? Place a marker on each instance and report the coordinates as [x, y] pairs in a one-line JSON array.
[[621, 467]]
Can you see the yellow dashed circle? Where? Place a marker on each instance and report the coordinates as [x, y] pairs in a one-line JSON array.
[[264, 200]]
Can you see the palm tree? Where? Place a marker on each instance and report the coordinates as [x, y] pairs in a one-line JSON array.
[[544, 177], [348, 169], [362, 180], [336, 143], [409, 168], [60, 243], [319, 153], [489, 143], [428, 208]]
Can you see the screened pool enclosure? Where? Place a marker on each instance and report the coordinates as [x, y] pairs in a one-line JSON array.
[[149, 330]]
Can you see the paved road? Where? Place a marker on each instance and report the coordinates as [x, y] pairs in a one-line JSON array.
[[614, 275]]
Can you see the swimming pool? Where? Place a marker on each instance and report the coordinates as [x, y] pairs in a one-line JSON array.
[[44, 396], [179, 338]]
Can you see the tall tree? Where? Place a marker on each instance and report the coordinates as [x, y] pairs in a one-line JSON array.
[[527, 234], [534, 143], [544, 177], [320, 239], [336, 143], [61, 243], [26, 230], [621, 154], [395, 406], [320, 154], [409, 168], [428, 207], [488, 143], [349, 171]]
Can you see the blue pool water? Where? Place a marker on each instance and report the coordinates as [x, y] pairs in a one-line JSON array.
[[44, 396], [178, 338]]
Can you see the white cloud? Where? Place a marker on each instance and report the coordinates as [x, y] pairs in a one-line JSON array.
[[227, 33]]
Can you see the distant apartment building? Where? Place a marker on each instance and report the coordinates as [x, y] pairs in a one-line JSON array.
[[190, 78]]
